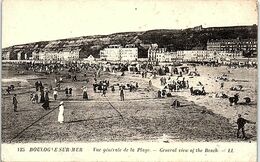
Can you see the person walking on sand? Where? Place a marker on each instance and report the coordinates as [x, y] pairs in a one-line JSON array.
[[122, 95], [15, 102], [61, 113]]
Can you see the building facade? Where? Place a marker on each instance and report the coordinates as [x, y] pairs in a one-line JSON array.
[[68, 54], [129, 54], [213, 46], [6, 54], [119, 53], [152, 50], [112, 53], [234, 45], [170, 56], [160, 54]]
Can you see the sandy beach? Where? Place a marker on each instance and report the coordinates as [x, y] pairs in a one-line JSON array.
[[142, 116]]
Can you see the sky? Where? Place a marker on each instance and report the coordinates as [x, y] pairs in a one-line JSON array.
[[26, 21]]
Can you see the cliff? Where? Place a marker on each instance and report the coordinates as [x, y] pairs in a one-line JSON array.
[[173, 40]]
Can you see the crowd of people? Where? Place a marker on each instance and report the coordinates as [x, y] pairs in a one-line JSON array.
[[41, 93]]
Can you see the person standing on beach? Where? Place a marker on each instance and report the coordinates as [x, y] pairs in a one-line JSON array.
[[241, 125], [15, 102], [46, 105], [36, 86], [70, 91], [113, 88], [42, 96], [161, 80], [61, 113], [95, 87], [46, 95], [150, 83], [222, 85], [67, 91], [55, 94], [159, 93], [122, 95], [103, 92], [85, 94]]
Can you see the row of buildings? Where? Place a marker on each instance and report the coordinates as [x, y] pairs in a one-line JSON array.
[[66, 54], [57, 55], [233, 45], [217, 50], [156, 54]]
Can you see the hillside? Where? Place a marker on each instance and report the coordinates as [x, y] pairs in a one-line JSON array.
[[173, 40]]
